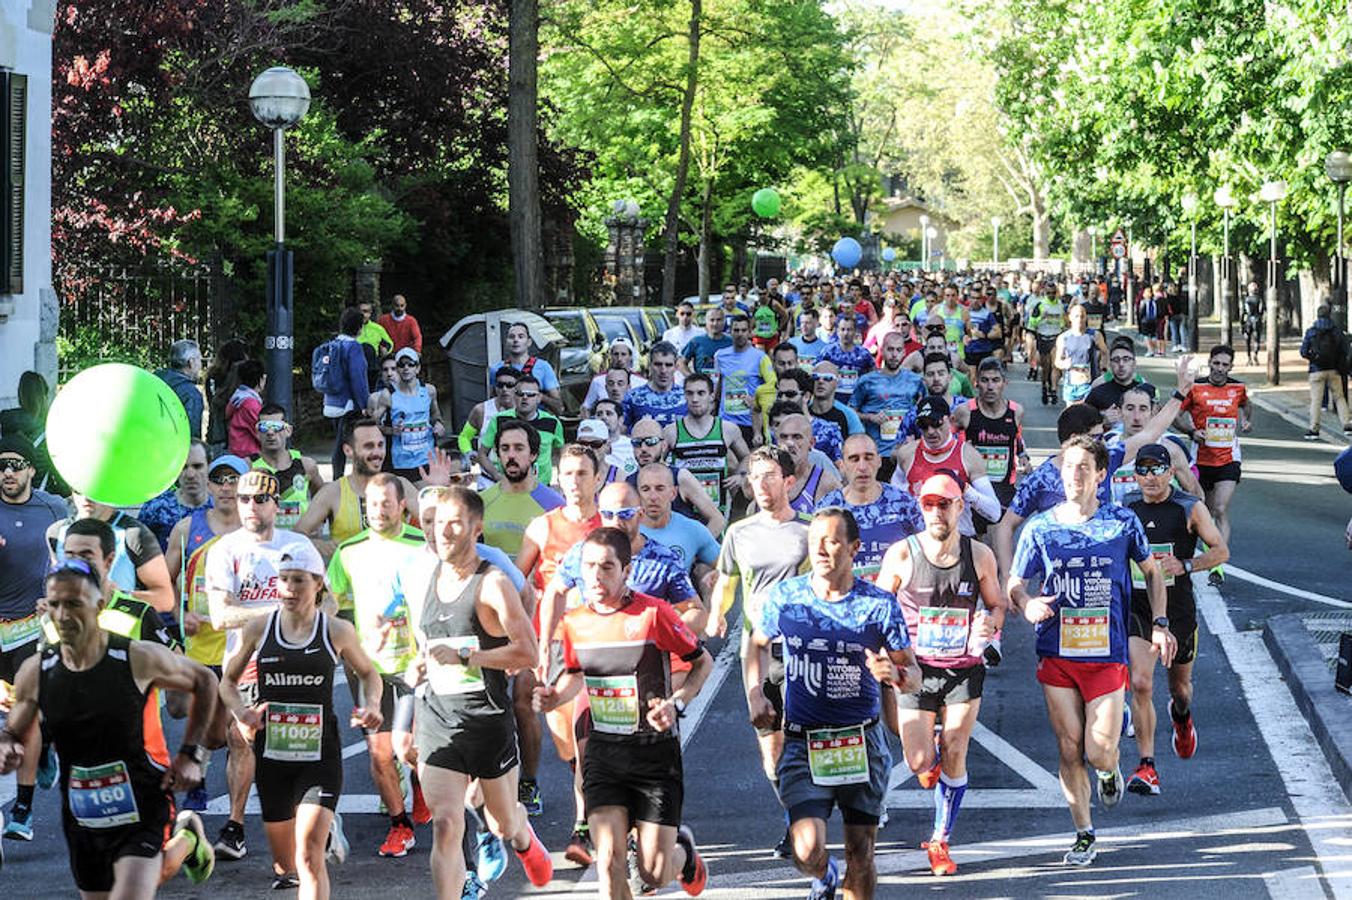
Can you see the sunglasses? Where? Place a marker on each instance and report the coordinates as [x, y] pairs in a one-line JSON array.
[[647, 441], [790, 395], [935, 503], [624, 514], [406, 364], [593, 445], [823, 376], [1153, 469], [14, 465], [929, 423], [227, 478], [73, 564], [256, 499], [271, 427], [527, 395], [505, 386]]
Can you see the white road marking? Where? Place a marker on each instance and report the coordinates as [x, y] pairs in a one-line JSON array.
[[347, 803], [1044, 794], [1315, 795], [727, 660], [1233, 571]]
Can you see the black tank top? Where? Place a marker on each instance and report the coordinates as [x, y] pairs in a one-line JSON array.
[[996, 440], [457, 692], [1166, 528], [296, 681], [96, 719]]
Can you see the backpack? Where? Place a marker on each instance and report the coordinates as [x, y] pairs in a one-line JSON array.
[[1326, 350], [326, 368]]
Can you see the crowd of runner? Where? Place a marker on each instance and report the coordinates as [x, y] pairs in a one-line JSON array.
[[826, 472]]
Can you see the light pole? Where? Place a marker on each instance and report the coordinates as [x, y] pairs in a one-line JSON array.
[[1226, 201], [995, 224], [1271, 193], [1093, 247], [930, 234], [279, 99], [1338, 167], [924, 242], [1190, 209]]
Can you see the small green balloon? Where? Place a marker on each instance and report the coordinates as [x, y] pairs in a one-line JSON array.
[[766, 203], [118, 434]]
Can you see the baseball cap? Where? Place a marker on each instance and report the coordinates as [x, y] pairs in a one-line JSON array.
[[592, 430], [622, 341], [941, 485], [256, 481], [932, 407], [229, 461], [1153, 453], [301, 555], [15, 443], [407, 353]]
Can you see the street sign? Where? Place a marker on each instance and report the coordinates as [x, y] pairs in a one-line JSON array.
[[1119, 251], [1119, 237]]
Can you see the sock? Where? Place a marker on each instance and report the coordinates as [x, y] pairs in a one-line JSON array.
[[688, 870], [530, 838], [948, 794], [1148, 761], [1179, 715], [401, 819], [23, 801]]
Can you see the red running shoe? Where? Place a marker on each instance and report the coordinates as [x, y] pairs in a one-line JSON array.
[[1144, 781], [535, 860], [421, 814], [398, 842], [1185, 738], [699, 874], [940, 862]]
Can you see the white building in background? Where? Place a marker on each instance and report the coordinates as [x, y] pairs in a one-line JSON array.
[[28, 318]]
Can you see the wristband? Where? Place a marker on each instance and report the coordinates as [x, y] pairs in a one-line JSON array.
[[1179, 395], [678, 705]]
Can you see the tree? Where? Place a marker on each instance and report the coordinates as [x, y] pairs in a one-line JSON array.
[[523, 124]]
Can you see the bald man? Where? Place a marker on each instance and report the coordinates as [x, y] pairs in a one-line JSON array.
[[691, 498]]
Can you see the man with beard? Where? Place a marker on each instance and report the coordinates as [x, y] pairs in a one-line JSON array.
[[518, 497], [709, 447], [883, 397]]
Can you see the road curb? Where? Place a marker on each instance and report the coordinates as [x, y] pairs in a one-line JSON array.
[[1300, 421], [1311, 684]]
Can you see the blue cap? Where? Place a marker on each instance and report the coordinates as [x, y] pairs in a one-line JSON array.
[[230, 461]]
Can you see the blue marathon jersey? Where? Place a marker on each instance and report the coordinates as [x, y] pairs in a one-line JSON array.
[[656, 571], [1043, 488], [890, 518]]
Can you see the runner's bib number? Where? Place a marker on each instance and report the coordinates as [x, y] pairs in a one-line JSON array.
[[455, 678], [943, 631], [19, 632], [996, 459], [101, 796], [736, 402], [837, 756], [295, 732], [1220, 431], [1158, 551], [848, 379], [1084, 632], [614, 703]]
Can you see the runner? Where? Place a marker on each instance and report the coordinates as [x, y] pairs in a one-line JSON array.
[[684, 329], [516, 353], [823, 403], [1078, 354], [695, 547], [188, 495], [1047, 319], [710, 447], [289, 715], [831, 622], [298, 474], [995, 429], [415, 416], [759, 552], [808, 344], [851, 360], [660, 399], [795, 388], [784, 358], [518, 498], [632, 776], [611, 414], [949, 590], [985, 329], [504, 397], [1173, 521], [361, 576], [1216, 412], [940, 449], [698, 355], [91, 691], [1076, 554], [792, 431], [1137, 408], [740, 370], [883, 398], [883, 513], [470, 627], [1106, 394], [527, 409]]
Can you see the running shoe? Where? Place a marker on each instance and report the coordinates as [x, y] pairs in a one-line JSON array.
[[695, 876], [49, 768], [528, 792], [421, 813], [201, 860], [1185, 738], [1311, 435], [784, 849], [1110, 788], [20, 827], [1216, 578], [474, 887], [1082, 852], [1144, 781], [579, 850], [196, 799], [535, 860], [230, 842], [285, 882], [637, 886], [398, 842], [939, 860], [825, 888], [338, 846], [492, 856], [992, 655], [1128, 723]]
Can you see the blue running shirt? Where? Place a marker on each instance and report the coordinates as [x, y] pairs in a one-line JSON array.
[[890, 518]]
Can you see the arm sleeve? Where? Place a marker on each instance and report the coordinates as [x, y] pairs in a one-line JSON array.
[[495, 557], [489, 433], [466, 439], [142, 545], [980, 496]]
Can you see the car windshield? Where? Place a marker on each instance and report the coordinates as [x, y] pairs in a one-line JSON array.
[[570, 325], [612, 325], [635, 319]]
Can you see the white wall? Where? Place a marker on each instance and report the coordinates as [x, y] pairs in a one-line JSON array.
[[27, 339]]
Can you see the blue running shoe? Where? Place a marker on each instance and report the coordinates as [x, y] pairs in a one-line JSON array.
[[20, 827], [196, 799], [474, 887], [492, 856], [49, 768]]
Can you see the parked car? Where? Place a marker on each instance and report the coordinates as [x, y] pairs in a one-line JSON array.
[[582, 336], [647, 321]]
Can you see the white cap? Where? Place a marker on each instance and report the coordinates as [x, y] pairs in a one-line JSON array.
[[592, 430], [301, 555], [622, 341], [409, 352]]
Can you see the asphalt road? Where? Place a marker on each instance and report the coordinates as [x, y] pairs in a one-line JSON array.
[[1254, 814]]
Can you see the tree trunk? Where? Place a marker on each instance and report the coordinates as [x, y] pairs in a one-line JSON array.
[[673, 221], [738, 260], [1042, 223], [706, 240], [523, 181]]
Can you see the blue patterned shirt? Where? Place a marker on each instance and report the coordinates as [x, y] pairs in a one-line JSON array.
[[665, 407], [890, 518]]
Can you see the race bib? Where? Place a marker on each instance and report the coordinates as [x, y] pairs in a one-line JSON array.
[[736, 402], [943, 631], [101, 796], [848, 379], [614, 703], [19, 632], [416, 438], [837, 756], [1096, 321], [1079, 375], [1220, 431], [294, 732], [455, 678], [712, 482], [997, 461], [1084, 632], [1157, 551], [891, 425]]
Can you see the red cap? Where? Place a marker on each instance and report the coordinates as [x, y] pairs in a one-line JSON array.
[[941, 485]]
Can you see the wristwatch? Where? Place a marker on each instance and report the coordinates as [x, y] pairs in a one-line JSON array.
[[1179, 395], [195, 752], [1187, 567], [464, 653], [1160, 622], [679, 705]]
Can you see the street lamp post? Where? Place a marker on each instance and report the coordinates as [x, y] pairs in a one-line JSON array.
[[930, 234], [1093, 247], [1226, 201], [279, 99], [924, 242], [1271, 193], [1338, 167], [995, 250], [1190, 208]]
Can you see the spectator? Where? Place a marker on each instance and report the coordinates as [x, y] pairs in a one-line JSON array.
[[1178, 319], [221, 381], [1325, 346], [347, 379], [182, 375], [29, 421], [241, 413], [402, 328], [375, 342]]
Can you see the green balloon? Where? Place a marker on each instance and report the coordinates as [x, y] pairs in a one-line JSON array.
[[118, 434], [766, 203]]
